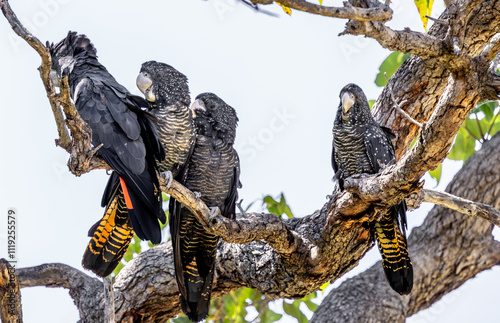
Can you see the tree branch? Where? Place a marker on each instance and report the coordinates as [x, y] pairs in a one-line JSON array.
[[381, 13], [464, 206], [87, 292], [79, 144], [446, 250], [405, 41], [244, 229], [398, 106], [326, 244]]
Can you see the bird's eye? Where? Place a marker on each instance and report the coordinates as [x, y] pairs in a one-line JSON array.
[[351, 96]]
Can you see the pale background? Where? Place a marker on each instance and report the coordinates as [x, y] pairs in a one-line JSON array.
[[282, 75]]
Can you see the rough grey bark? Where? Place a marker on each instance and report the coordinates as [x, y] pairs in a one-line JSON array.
[[446, 250]]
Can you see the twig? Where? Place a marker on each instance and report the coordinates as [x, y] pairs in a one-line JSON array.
[[240, 207], [382, 13], [64, 139], [468, 130], [439, 21], [480, 129], [478, 210], [10, 296], [80, 141], [398, 107], [257, 9], [492, 123]]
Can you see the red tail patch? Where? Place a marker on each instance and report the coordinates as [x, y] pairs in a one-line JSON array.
[[128, 201]]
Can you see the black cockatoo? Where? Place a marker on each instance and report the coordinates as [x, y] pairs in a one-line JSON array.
[[129, 140], [167, 91], [360, 145], [212, 171]]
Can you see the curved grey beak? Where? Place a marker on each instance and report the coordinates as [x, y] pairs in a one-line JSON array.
[[197, 105], [347, 101], [145, 85]]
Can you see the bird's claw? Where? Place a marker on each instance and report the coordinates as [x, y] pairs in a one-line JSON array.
[[168, 177], [214, 213], [197, 195]]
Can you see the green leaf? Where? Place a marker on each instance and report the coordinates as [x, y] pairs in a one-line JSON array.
[[436, 174], [309, 303], [164, 197], [278, 208], [464, 146], [136, 244], [495, 128], [473, 126], [488, 108], [389, 66], [371, 102], [424, 8], [268, 316], [293, 310]]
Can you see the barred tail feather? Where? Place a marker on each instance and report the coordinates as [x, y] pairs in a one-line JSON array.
[[111, 237], [199, 290], [194, 259], [395, 258]]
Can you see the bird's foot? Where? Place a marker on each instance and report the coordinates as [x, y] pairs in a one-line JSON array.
[[197, 196], [214, 213], [168, 177]]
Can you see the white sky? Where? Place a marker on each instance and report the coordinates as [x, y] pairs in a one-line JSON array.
[[282, 75]]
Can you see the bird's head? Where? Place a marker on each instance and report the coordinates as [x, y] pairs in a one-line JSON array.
[[353, 106], [66, 53], [162, 84], [214, 118]]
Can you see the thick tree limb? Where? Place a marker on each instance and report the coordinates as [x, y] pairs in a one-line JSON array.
[[382, 13], [10, 295], [446, 250], [434, 248], [323, 246], [244, 229], [87, 292]]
